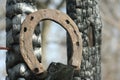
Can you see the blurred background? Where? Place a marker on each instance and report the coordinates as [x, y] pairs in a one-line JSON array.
[[110, 15]]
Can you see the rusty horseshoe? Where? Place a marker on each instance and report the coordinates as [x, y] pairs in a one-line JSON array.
[[27, 30]]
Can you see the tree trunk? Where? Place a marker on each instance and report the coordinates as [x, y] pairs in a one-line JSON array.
[[86, 15], [16, 11]]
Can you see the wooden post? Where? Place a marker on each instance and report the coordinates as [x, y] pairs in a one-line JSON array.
[[16, 11], [86, 15]]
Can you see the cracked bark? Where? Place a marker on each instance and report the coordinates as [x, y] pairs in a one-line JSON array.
[[86, 15], [16, 11]]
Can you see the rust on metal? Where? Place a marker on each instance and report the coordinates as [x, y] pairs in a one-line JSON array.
[[28, 28], [4, 48]]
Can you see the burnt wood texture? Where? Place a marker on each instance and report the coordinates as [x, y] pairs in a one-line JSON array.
[[86, 15]]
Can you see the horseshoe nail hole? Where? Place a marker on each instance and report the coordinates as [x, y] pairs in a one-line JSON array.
[[67, 22], [25, 29], [36, 70], [75, 32], [31, 18], [77, 43]]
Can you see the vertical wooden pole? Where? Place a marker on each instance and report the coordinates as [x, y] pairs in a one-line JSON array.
[[86, 15]]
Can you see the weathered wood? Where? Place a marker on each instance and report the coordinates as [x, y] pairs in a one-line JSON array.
[[86, 15], [16, 11]]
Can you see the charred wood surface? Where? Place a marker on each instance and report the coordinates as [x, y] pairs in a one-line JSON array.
[[86, 15]]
